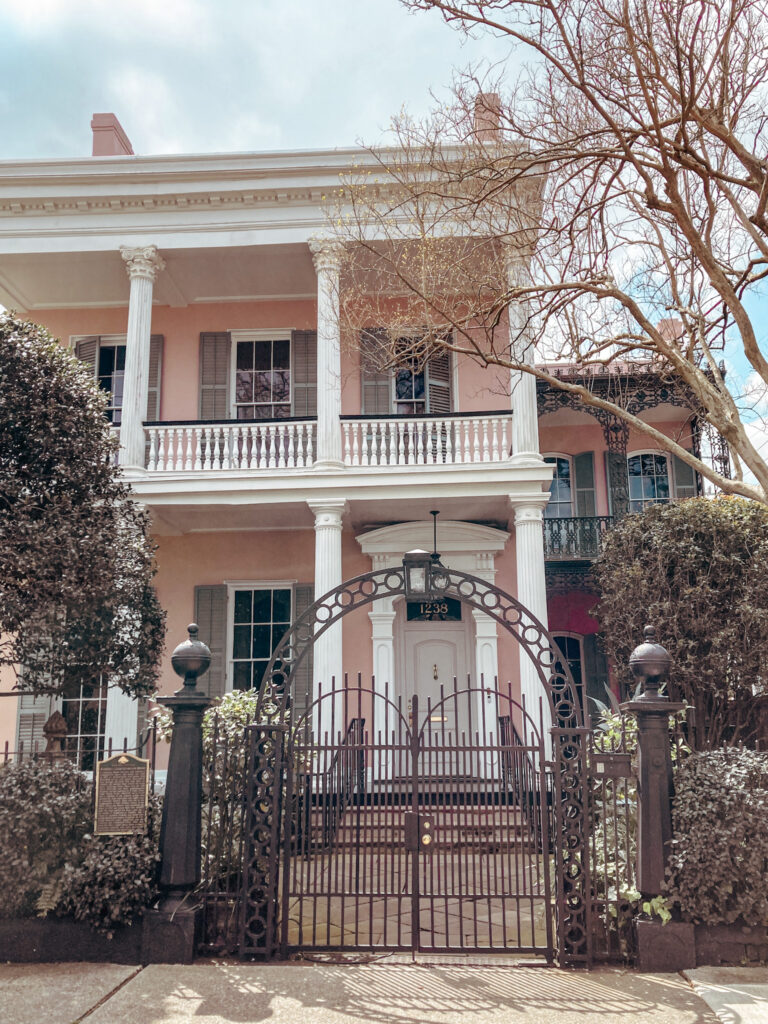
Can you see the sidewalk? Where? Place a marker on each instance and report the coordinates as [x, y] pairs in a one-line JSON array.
[[381, 993]]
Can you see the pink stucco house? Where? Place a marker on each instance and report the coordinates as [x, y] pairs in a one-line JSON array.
[[201, 291]]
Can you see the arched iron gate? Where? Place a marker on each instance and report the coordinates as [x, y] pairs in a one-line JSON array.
[[319, 805]]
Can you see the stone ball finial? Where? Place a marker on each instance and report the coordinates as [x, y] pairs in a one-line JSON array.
[[191, 658], [650, 664]]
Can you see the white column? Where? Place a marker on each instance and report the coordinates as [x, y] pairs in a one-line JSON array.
[[486, 711], [328, 653], [525, 422], [532, 594], [121, 722], [383, 637], [327, 259], [142, 265]]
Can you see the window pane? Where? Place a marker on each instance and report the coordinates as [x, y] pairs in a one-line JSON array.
[[246, 412], [241, 645], [242, 675], [262, 646], [635, 487], [282, 606], [633, 465], [281, 354], [262, 355], [262, 605], [404, 384], [648, 463], [242, 606], [281, 412], [120, 358], [258, 672], [262, 387], [106, 360], [243, 386], [281, 385], [245, 355], [662, 488]]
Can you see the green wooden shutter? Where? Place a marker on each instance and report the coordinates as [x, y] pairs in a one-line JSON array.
[[304, 355], [301, 694], [215, 352], [211, 617], [595, 671], [685, 479], [618, 483], [376, 383], [87, 351], [439, 385], [584, 483], [33, 713], [155, 370]]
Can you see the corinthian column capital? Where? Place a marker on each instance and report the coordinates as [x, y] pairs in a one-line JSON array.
[[142, 261], [326, 254]]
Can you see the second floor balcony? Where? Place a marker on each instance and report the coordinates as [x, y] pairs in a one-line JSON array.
[[290, 444], [576, 538]]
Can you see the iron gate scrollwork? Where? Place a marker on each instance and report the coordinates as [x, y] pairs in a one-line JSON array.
[[570, 828]]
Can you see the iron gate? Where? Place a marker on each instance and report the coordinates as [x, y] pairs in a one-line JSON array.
[[420, 828]]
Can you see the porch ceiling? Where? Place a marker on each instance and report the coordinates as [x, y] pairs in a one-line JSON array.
[[62, 280]]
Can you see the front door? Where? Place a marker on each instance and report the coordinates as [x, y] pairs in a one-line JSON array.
[[435, 655]]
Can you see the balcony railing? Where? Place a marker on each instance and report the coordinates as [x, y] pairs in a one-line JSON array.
[[426, 441], [568, 540], [239, 445]]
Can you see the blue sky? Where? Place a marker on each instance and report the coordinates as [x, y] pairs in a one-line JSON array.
[[219, 75]]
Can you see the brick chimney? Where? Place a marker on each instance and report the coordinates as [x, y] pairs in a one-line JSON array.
[[486, 121], [109, 139]]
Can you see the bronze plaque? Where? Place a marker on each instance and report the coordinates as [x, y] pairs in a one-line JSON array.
[[122, 795]]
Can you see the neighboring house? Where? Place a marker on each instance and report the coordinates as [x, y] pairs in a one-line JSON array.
[[275, 464]]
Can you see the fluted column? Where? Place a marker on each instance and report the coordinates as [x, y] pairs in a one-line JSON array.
[[532, 593], [525, 420], [142, 265], [328, 654], [382, 618], [327, 259]]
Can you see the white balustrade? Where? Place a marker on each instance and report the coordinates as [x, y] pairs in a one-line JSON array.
[[206, 447], [431, 441], [479, 439]]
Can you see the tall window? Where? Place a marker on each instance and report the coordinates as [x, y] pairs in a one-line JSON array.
[[560, 504], [261, 616], [263, 379], [111, 375], [410, 389], [648, 480], [84, 707]]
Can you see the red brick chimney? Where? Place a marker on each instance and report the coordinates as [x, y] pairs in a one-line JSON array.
[[487, 117], [109, 139]]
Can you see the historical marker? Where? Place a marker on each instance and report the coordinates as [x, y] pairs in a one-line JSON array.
[[122, 795]]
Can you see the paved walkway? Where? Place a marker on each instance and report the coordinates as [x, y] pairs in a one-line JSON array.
[[388, 992]]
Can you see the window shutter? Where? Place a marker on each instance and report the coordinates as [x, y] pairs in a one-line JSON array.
[[595, 671], [155, 369], [584, 483], [618, 483], [439, 385], [214, 376], [304, 357], [685, 479], [211, 617], [87, 351], [33, 713], [376, 383], [301, 696]]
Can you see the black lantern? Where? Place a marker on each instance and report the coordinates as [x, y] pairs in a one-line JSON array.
[[417, 569]]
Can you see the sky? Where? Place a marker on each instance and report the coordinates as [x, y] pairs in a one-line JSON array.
[[219, 75]]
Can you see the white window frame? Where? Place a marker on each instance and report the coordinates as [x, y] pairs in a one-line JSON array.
[[670, 478], [262, 334], [561, 455], [232, 586]]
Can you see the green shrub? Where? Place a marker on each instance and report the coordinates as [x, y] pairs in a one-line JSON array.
[[50, 862], [44, 812], [115, 879], [718, 868]]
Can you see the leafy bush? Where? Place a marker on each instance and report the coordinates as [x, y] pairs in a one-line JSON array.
[[50, 862], [698, 571], [115, 879], [718, 869], [44, 812]]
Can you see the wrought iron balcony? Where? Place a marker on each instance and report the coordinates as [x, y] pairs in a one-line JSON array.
[[574, 539]]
